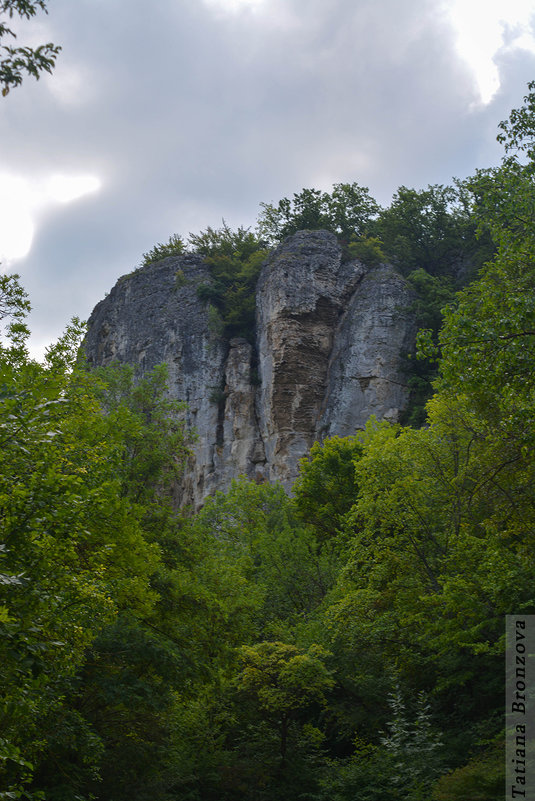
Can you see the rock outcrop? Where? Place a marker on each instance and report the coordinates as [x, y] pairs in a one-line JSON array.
[[328, 354]]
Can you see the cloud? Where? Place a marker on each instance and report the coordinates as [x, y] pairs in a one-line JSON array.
[[482, 33], [22, 200], [193, 111]]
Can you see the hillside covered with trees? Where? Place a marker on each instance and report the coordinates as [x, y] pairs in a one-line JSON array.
[[342, 644]]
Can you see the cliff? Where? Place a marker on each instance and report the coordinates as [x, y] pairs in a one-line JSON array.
[[330, 336]]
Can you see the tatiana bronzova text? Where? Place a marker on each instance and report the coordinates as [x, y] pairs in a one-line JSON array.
[[520, 707]]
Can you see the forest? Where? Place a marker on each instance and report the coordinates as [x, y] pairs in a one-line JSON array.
[[344, 642]]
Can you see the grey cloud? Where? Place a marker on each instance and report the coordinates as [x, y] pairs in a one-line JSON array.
[[189, 116]]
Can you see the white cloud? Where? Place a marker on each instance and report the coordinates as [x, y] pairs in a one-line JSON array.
[[483, 29], [23, 199], [233, 6], [16, 222], [66, 188]]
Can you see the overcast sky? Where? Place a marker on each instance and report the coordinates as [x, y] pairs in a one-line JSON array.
[[166, 117]]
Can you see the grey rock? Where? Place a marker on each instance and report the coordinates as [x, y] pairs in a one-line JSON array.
[[301, 295], [153, 316], [365, 374], [330, 336]]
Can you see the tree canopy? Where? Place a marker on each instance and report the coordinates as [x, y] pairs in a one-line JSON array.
[[347, 211]]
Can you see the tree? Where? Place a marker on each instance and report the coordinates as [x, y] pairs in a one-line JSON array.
[[488, 341], [412, 743], [283, 680], [433, 230], [234, 259], [255, 528], [325, 489], [16, 61], [432, 295], [402, 766], [173, 247], [443, 523], [441, 551], [83, 484], [482, 779], [430, 237], [347, 211], [280, 691]]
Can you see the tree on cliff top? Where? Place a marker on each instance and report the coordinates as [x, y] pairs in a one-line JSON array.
[[346, 211], [234, 259], [16, 61]]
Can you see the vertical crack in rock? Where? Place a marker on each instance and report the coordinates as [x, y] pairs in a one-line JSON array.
[[242, 448]]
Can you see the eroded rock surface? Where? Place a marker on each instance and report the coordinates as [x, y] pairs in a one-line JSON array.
[[330, 337], [365, 375], [301, 296]]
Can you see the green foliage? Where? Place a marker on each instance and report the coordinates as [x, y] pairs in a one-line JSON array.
[[438, 558], [173, 247], [433, 230], [256, 529], [432, 295], [347, 211], [326, 488], [404, 766], [282, 679], [430, 236], [517, 133], [225, 242], [14, 303], [433, 531], [413, 745], [488, 341], [482, 779], [234, 259], [180, 279], [152, 439], [127, 685], [88, 460], [364, 777], [216, 324], [16, 61], [14, 307], [280, 689], [369, 249]]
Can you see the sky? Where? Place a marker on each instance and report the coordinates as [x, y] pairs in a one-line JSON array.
[[169, 117]]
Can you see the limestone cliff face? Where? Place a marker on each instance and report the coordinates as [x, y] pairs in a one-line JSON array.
[[154, 316], [330, 338], [330, 335]]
